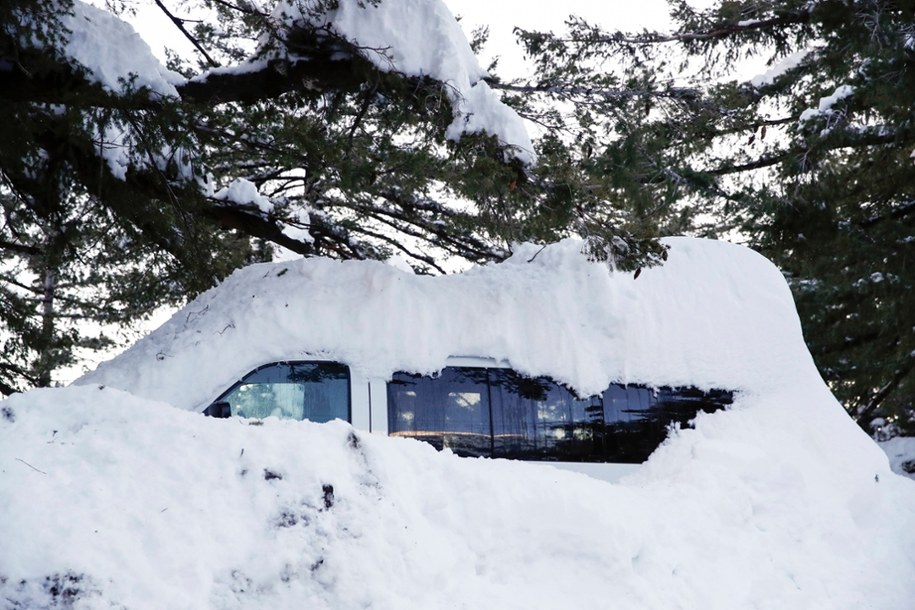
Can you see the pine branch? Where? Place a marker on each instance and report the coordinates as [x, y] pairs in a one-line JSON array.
[[255, 225], [760, 163], [6, 389], [896, 214], [19, 248], [180, 25], [396, 244], [722, 32], [622, 93], [838, 140]]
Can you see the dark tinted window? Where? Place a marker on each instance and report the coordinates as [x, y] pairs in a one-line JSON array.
[[499, 413], [538, 419], [633, 429], [316, 391], [450, 410]]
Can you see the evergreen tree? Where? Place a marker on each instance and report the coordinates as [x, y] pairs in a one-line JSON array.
[[121, 196], [811, 161]]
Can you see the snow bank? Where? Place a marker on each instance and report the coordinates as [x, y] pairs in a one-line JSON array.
[[781, 502], [715, 315], [113, 501]]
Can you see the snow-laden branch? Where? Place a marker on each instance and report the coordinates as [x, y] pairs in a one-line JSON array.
[[586, 35], [313, 45], [420, 39]]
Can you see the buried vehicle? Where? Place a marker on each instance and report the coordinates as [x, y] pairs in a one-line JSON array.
[[544, 357]]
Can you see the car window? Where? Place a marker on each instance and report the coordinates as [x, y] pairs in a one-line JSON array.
[[496, 412], [316, 391]]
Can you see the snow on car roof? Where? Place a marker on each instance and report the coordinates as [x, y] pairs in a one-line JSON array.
[[714, 315]]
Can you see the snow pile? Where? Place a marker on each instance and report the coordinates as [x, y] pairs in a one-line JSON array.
[[715, 315], [113, 500], [420, 38], [414, 37], [786, 64], [826, 105]]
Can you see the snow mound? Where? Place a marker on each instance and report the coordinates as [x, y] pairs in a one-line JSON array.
[[714, 315], [780, 502], [109, 500]]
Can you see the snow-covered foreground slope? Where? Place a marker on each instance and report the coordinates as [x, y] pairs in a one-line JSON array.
[[113, 501]]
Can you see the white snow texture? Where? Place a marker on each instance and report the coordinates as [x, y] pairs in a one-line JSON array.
[[113, 53], [780, 502], [422, 38]]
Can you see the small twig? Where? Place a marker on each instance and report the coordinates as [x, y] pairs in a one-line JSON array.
[[241, 9], [32, 467], [180, 25], [531, 259], [193, 315]]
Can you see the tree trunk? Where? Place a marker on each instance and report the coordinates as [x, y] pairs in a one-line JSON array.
[[46, 345]]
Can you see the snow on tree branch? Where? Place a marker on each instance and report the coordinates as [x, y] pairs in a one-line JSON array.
[[418, 38], [114, 53]]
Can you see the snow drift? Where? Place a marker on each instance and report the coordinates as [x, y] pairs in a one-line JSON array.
[[112, 499]]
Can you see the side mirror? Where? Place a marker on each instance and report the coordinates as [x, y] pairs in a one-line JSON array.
[[220, 409]]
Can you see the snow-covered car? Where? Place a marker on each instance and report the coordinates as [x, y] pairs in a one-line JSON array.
[[136, 500], [545, 357]]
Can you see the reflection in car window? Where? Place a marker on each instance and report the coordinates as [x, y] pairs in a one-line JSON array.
[[316, 391], [450, 410], [538, 419], [500, 413]]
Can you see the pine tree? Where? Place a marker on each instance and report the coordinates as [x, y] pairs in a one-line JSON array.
[[811, 161], [284, 133]]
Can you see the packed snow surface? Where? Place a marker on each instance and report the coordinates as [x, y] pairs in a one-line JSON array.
[[111, 499], [778, 503]]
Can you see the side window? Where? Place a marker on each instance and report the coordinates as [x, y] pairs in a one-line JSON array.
[[316, 391], [633, 427], [500, 413], [450, 410], [639, 418], [538, 419], [680, 405]]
